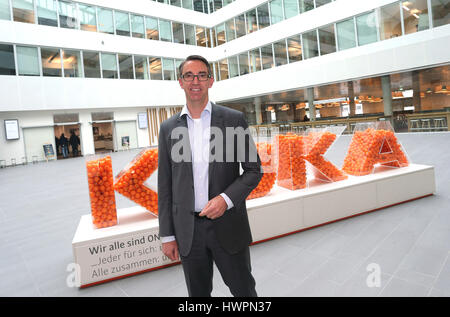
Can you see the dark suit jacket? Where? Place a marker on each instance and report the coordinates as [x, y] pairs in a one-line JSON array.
[[176, 186]]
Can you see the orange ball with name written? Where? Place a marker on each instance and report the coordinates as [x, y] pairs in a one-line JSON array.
[[101, 192]]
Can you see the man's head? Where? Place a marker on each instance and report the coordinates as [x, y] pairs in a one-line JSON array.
[[195, 79]]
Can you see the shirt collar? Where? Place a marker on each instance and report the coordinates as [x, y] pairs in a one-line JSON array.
[[185, 110]]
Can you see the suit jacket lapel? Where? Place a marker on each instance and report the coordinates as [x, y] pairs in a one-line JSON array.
[[182, 122], [217, 122]]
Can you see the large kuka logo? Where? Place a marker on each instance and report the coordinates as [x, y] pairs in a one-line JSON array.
[[283, 158]]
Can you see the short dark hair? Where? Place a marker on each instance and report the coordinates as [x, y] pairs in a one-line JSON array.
[[194, 58]]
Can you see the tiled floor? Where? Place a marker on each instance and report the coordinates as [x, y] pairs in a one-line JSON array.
[[41, 204]]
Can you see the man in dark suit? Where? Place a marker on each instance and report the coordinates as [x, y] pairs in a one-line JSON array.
[[201, 194]]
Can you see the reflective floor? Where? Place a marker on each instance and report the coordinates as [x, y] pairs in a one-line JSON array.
[[41, 205]]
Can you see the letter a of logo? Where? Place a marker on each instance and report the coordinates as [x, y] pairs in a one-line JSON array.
[[130, 182]]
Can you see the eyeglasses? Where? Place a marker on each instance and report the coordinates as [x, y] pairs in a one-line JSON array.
[[200, 77]]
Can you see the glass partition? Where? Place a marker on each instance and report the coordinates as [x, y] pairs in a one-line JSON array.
[[220, 34], [390, 23], [68, 15], [137, 26], [243, 64], [165, 29], [88, 19], [23, 10], [240, 25], [267, 57], [255, 60], [290, 8], [263, 16], [168, 69], [189, 31], [440, 12], [7, 64], [223, 69], [126, 66], [279, 49], [91, 62], [71, 63], [109, 65], [306, 5], [294, 49], [51, 62], [141, 67], [122, 23], [233, 66], [366, 28], [415, 16], [327, 40], [201, 36], [47, 12], [346, 34], [155, 68], [310, 46], [27, 61], [4, 10], [321, 2], [276, 11], [230, 30], [178, 33], [252, 23], [152, 30], [105, 21]]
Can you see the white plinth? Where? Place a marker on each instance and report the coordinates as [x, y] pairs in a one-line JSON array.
[[133, 245]]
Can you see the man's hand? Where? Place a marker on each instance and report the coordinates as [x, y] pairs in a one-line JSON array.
[[170, 249], [214, 208]]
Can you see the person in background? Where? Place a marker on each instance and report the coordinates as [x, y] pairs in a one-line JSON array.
[[74, 141], [64, 145], [305, 118]]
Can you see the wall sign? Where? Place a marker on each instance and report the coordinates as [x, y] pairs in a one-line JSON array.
[[12, 129], [142, 120]]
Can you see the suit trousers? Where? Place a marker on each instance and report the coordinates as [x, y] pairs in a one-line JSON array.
[[235, 269]]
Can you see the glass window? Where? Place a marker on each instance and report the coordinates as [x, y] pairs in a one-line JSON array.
[[276, 11], [109, 65], [263, 15], [137, 26], [88, 19], [198, 6], [205, 7], [208, 37], [140, 67], [294, 49], [155, 68], [105, 21], [252, 23], [189, 31], [28, 61], [168, 69], [51, 62], [279, 49], [187, 4], [165, 31], [71, 63], [223, 69], [47, 12], [178, 33], [233, 66], [125, 66], [415, 16], [243, 64], [310, 47], [327, 40], [240, 25], [217, 5], [267, 56], [229, 25], [4, 10], [441, 12], [23, 11], [255, 60], [367, 29], [346, 34], [290, 8], [390, 24], [91, 62], [306, 5], [151, 25], [7, 64], [175, 3], [122, 23], [68, 15], [201, 37], [321, 2], [220, 34]]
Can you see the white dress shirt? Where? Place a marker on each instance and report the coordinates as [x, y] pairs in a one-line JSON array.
[[199, 136]]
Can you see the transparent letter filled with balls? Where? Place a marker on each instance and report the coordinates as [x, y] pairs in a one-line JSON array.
[[101, 191]]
